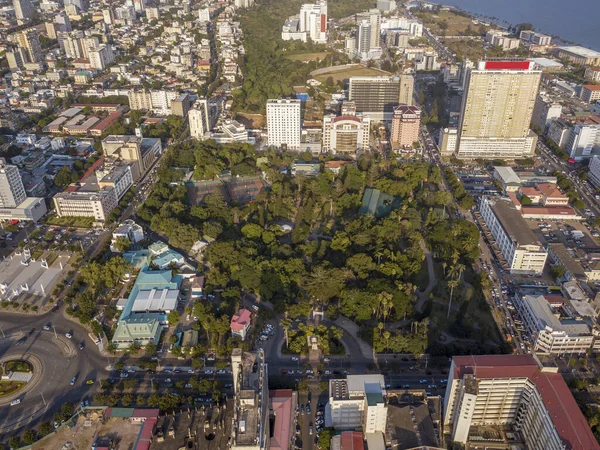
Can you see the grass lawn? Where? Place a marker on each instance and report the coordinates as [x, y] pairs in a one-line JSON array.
[[17, 366], [8, 387], [308, 56], [340, 74], [79, 222]]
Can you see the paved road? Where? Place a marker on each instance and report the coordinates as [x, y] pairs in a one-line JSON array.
[[61, 360]]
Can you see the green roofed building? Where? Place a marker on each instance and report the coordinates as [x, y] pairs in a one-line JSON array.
[[376, 203], [140, 329]]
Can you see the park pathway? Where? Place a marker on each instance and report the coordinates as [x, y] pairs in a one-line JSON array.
[[423, 296]]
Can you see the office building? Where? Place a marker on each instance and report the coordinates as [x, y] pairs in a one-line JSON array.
[[579, 55], [23, 10], [535, 38], [407, 88], [590, 93], [368, 35], [181, 105], [583, 142], [363, 39], [594, 171], [141, 151], [514, 391], [559, 132], [518, 248], [496, 111], [16, 58], [373, 16], [129, 230], [357, 402], [346, 134], [12, 191], [406, 126], [115, 174], [544, 112], [284, 123], [204, 15], [553, 329], [97, 204], [375, 97], [251, 425], [448, 141]]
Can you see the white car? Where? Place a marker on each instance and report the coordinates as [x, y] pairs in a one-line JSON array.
[[15, 402], [208, 372], [69, 335], [294, 358]]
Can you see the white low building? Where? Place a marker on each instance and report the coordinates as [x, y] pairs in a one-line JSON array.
[[128, 230]]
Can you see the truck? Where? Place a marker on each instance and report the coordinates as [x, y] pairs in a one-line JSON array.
[[95, 339]]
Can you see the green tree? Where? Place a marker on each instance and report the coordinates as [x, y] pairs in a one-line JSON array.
[[173, 318], [14, 442], [525, 200], [127, 400], [140, 400], [303, 386], [29, 437], [45, 428], [557, 271], [324, 442], [150, 349], [122, 244]]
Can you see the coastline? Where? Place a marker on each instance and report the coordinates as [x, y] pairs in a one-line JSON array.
[[504, 23]]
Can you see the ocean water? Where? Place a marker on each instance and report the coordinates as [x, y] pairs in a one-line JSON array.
[[573, 20]]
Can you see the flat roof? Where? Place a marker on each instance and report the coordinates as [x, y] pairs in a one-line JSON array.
[[507, 174], [512, 221], [581, 51], [155, 300], [545, 317]]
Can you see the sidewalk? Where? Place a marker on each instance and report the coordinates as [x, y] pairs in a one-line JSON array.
[[352, 329]]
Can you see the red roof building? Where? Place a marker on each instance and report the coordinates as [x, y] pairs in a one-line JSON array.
[[515, 390], [240, 323], [282, 403]]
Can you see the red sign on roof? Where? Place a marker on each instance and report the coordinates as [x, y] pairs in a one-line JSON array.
[[507, 65]]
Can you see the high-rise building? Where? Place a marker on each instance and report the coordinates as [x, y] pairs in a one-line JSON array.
[[373, 16], [313, 21], [12, 192], [204, 14], [375, 97], [109, 16], [16, 58], [23, 9], [594, 171], [514, 391], [535, 38], [583, 142], [363, 39], [243, 3], [284, 123], [346, 134], [497, 108], [29, 41], [544, 112], [199, 119], [406, 125], [80, 5], [100, 56], [407, 88], [181, 105]]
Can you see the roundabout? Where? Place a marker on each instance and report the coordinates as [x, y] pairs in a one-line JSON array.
[[55, 361]]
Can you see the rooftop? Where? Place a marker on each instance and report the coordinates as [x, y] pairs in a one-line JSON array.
[[512, 222], [592, 87], [546, 317], [581, 51], [566, 416], [240, 320]]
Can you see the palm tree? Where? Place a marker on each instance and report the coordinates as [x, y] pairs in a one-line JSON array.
[[286, 323], [452, 283], [380, 327], [386, 336], [337, 333]]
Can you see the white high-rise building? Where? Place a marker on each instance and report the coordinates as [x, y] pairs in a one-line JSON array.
[[583, 141], [284, 123], [594, 171], [12, 192], [198, 118], [497, 107], [363, 39], [514, 391], [313, 21], [101, 56], [23, 9], [204, 14], [544, 112]]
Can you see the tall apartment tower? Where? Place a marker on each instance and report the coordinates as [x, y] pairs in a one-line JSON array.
[[284, 123], [23, 9], [12, 192], [407, 88], [406, 125], [363, 39], [496, 111], [30, 42], [198, 118]]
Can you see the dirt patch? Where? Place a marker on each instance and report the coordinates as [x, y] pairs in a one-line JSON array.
[[344, 73], [252, 121], [308, 56], [81, 436]]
